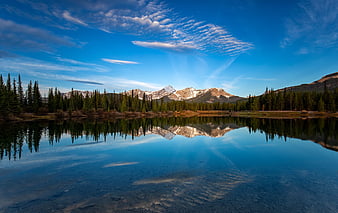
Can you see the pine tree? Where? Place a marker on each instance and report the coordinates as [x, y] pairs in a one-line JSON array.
[[29, 96], [37, 100], [123, 106], [14, 102], [87, 103], [51, 100], [71, 106], [1, 82], [2, 96], [143, 104], [20, 93], [321, 105], [8, 87]]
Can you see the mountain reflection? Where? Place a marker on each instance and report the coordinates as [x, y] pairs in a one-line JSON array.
[[14, 136]]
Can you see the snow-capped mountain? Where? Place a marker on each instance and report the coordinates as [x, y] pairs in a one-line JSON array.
[[152, 94], [166, 91], [190, 94]]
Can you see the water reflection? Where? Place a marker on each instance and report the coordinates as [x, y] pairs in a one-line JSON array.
[[14, 136]]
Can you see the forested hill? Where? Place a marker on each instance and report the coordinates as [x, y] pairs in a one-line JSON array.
[[329, 82]]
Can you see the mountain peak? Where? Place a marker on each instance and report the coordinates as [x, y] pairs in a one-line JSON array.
[[169, 89], [219, 92]]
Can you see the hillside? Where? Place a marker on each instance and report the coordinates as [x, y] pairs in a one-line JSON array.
[[329, 81]]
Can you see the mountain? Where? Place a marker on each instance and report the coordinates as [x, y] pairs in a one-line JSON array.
[[168, 93], [152, 95], [188, 94], [215, 95], [330, 81]]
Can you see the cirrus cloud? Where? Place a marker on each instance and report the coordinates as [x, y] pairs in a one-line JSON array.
[[314, 27], [151, 19], [68, 17], [14, 35], [114, 61], [178, 47]]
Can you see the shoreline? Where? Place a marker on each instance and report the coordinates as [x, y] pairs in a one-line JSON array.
[[285, 114], [26, 117]]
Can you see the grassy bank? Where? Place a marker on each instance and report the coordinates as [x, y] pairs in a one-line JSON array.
[[284, 114]]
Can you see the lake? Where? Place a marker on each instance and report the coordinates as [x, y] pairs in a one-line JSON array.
[[170, 165]]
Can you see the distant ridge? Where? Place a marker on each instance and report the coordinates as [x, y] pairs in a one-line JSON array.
[[329, 81]]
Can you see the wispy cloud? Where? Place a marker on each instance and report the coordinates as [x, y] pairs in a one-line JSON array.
[[85, 82], [25, 64], [177, 47], [229, 86], [72, 61], [14, 36], [126, 83], [68, 17], [313, 27], [258, 79], [214, 75], [37, 69], [162, 26], [234, 83], [114, 61], [5, 54]]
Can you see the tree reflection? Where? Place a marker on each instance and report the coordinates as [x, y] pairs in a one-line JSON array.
[[14, 136]]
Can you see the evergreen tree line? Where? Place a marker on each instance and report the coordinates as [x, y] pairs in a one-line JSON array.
[[270, 100], [13, 98], [295, 101]]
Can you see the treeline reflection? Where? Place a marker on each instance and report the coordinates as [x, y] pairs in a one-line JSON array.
[[14, 136]]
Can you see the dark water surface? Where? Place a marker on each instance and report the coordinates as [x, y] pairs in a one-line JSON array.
[[170, 165]]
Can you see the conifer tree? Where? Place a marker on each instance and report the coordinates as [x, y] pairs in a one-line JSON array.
[[51, 100], [8, 86], [2, 96], [123, 106], [321, 105], [20, 93], [14, 102], [37, 100], [30, 95]]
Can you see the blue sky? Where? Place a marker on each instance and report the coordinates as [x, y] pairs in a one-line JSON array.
[[240, 46]]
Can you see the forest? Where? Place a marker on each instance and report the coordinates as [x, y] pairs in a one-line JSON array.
[[15, 99]]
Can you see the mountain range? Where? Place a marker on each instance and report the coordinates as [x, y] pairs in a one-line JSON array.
[[190, 94]]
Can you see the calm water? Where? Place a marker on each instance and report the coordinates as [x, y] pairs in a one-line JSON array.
[[170, 165]]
